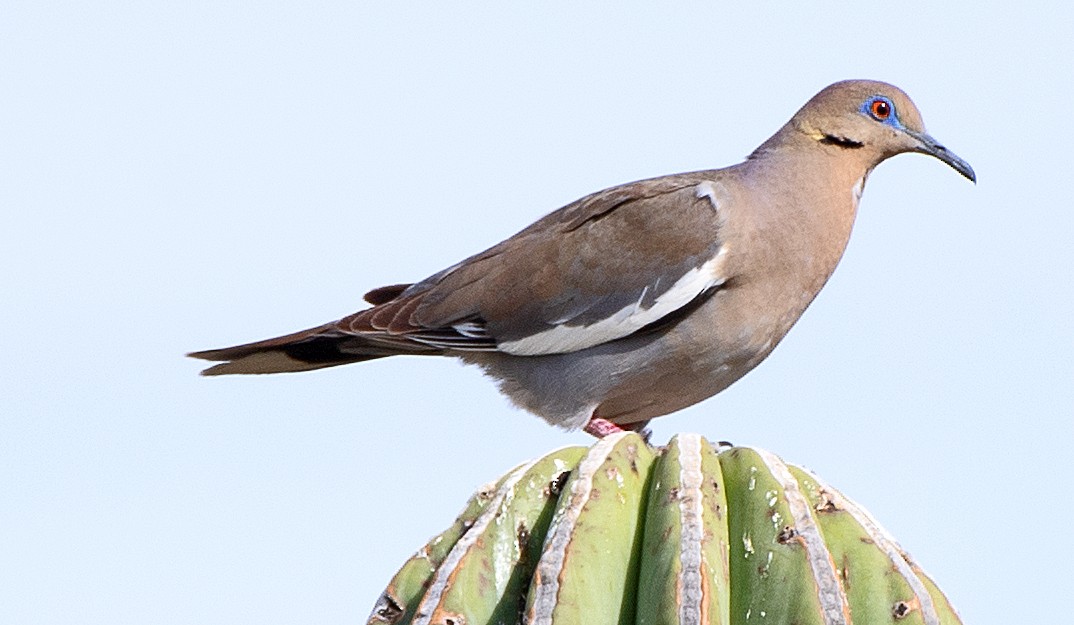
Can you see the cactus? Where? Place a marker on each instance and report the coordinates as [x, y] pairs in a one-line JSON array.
[[624, 533]]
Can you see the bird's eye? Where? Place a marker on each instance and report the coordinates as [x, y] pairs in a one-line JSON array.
[[881, 109]]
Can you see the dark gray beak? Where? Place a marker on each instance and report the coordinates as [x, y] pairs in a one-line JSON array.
[[932, 147]]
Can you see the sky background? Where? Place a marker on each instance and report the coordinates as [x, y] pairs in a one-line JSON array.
[[180, 176]]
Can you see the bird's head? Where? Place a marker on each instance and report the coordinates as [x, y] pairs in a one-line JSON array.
[[872, 117]]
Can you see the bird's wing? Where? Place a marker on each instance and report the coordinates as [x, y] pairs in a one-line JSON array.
[[602, 268]]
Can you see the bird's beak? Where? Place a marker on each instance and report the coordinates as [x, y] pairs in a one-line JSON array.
[[932, 147]]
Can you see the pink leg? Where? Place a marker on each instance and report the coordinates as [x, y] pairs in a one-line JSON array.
[[601, 427]]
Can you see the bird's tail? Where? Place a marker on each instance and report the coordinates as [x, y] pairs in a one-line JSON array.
[[316, 348]]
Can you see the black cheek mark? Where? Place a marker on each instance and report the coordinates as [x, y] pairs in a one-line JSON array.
[[842, 142]]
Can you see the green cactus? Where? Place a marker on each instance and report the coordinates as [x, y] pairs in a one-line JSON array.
[[688, 534]]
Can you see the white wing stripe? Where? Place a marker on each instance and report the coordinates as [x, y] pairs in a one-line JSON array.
[[627, 320], [471, 329], [709, 190]]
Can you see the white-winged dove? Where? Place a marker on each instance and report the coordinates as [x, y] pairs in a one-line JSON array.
[[645, 298]]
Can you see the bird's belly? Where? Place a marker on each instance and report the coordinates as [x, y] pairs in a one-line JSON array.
[[702, 361], [643, 376]]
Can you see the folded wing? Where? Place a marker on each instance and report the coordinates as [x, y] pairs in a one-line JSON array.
[[614, 263]]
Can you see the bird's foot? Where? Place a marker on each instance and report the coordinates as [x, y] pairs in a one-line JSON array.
[[601, 427]]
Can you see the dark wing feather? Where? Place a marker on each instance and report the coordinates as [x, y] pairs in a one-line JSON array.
[[385, 294], [626, 245], [576, 266]]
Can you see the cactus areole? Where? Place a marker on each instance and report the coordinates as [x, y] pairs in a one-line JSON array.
[[686, 534]]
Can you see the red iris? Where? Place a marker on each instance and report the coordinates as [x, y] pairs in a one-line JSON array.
[[880, 109]]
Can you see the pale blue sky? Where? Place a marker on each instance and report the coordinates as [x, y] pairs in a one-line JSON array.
[[185, 176]]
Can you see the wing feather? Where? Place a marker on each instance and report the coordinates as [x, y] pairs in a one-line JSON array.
[[595, 271], [630, 259]]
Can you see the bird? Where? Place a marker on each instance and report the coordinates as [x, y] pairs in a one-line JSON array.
[[644, 298]]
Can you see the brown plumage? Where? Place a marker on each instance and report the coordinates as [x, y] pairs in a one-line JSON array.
[[644, 298]]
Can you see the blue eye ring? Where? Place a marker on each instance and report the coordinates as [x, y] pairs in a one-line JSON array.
[[881, 109]]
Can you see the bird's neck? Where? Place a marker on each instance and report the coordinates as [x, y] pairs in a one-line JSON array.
[[811, 181], [810, 193], [834, 162]]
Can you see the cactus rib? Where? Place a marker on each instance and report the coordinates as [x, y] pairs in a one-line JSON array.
[[882, 539], [833, 599]]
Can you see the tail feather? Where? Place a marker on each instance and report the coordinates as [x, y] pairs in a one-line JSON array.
[[316, 348]]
